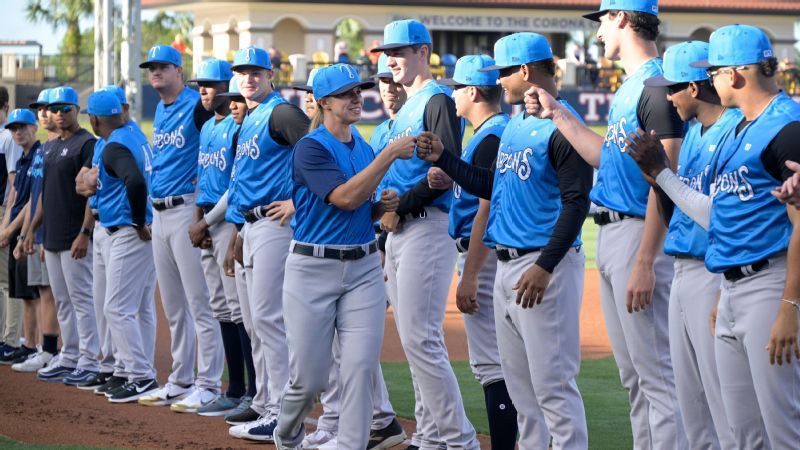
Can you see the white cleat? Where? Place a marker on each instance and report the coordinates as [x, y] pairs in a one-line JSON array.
[[166, 395]]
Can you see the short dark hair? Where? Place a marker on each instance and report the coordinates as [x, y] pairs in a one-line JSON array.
[[644, 24], [415, 48], [547, 66], [3, 97], [490, 93], [768, 67]]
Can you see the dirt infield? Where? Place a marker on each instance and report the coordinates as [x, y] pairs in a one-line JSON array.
[[51, 413]]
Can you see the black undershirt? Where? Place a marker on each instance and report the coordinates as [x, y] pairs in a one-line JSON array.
[[655, 112], [574, 182], [201, 116], [440, 118], [119, 162], [288, 124]]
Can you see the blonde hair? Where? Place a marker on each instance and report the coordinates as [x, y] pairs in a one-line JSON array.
[[317, 119]]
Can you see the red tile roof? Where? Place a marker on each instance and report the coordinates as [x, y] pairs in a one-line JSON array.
[[730, 6]]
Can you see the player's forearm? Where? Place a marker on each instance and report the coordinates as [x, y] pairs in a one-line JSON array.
[[357, 190], [88, 217], [26, 219], [478, 251], [36, 221], [791, 289], [694, 204], [12, 198], [586, 142], [16, 224], [653, 235]]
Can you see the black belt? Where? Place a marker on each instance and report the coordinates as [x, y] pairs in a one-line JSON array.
[[462, 244], [737, 273], [167, 203], [350, 254], [254, 214], [507, 254], [607, 217], [689, 257]]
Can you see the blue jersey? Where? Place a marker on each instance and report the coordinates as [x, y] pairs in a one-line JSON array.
[[465, 205], [380, 137], [261, 173], [176, 140], [685, 236], [620, 185], [318, 222], [526, 199], [215, 159], [112, 196], [98, 153], [37, 178], [748, 224], [23, 180], [406, 173]]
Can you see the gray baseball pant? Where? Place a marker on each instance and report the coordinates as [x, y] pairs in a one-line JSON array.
[[11, 310], [346, 297], [259, 403], [762, 401], [128, 256], [109, 361], [540, 352], [184, 296], [640, 340], [266, 244], [420, 260], [484, 357], [224, 299], [71, 282], [694, 293]]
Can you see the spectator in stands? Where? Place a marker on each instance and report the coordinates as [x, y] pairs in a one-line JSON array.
[[373, 56], [340, 54], [180, 45], [275, 57]]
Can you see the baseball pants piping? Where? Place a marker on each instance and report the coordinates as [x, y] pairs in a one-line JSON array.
[[259, 403]]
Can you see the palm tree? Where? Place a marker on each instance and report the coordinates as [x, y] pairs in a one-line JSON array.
[[63, 13]]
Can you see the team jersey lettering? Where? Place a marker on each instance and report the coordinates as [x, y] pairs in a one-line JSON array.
[[516, 162], [404, 133], [215, 159], [734, 182], [617, 133], [174, 137], [248, 148]]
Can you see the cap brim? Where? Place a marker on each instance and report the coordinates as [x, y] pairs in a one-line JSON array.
[[383, 47], [37, 105], [8, 124], [383, 75], [207, 80], [62, 103], [351, 86], [495, 67], [303, 87], [660, 81], [147, 64], [595, 16], [245, 66], [229, 94], [704, 64], [449, 82]]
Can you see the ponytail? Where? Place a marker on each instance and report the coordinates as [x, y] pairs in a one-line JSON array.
[[317, 119]]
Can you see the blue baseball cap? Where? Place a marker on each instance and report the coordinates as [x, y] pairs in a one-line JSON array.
[[383, 67], [117, 91], [42, 100], [677, 68], [645, 6], [402, 33], [468, 72], [233, 89], [736, 45], [103, 103], [308, 86], [251, 56], [213, 71], [162, 54], [337, 79], [21, 116], [518, 49], [63, 95]]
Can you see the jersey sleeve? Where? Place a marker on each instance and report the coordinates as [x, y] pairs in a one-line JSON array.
[[119, 162], [655, 112], [315, 168], [783, 147], [288, 124], [201, 116]]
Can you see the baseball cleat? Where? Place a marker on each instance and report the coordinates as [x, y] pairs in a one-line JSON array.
[[167, 395], [54, 373], [33, 363], [98, 380], [319, 438], [112, 384], [387, 437], [133, 391], [79, 376], [261, 430], [197, 399], [220, 407]]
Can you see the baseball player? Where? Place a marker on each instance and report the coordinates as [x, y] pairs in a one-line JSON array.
[[125, 214], [393, 97], [695, 290], [37, 271], [477, 98], [260, 189], [753, 238], [214, 173], [184, 295], [386, 431], [23, 127], [635, 274], [335, 174], [420, 256], [541, 264], [68, 223], [10, 311]]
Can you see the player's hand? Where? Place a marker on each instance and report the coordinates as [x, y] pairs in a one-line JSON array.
[[198, 232], [789, 191], [429, 147], [539, 103], [144, 233], [80, 246], [80, 185], [648, 152], [27, 243], [531, 286], [282, 210], [783, 340], [389, 200], [467, 294], [229, 263], [238, 250], [712, 317], [18, 251], [437, 179], [641, 284], [402, 148], [89, 184], [390, 222]]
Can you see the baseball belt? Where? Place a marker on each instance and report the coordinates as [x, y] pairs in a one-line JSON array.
[[342, 254]]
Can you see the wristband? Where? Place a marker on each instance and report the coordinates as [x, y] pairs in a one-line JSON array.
[[86, 231], [795, 303]]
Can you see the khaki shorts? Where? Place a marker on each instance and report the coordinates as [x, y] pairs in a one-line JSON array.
[[37, 269]]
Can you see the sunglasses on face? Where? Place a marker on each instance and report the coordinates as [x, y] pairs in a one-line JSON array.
[[64, 109], [675, 88]]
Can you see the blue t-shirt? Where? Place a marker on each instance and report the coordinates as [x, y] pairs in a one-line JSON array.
[[37, 178], [23, 180]]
